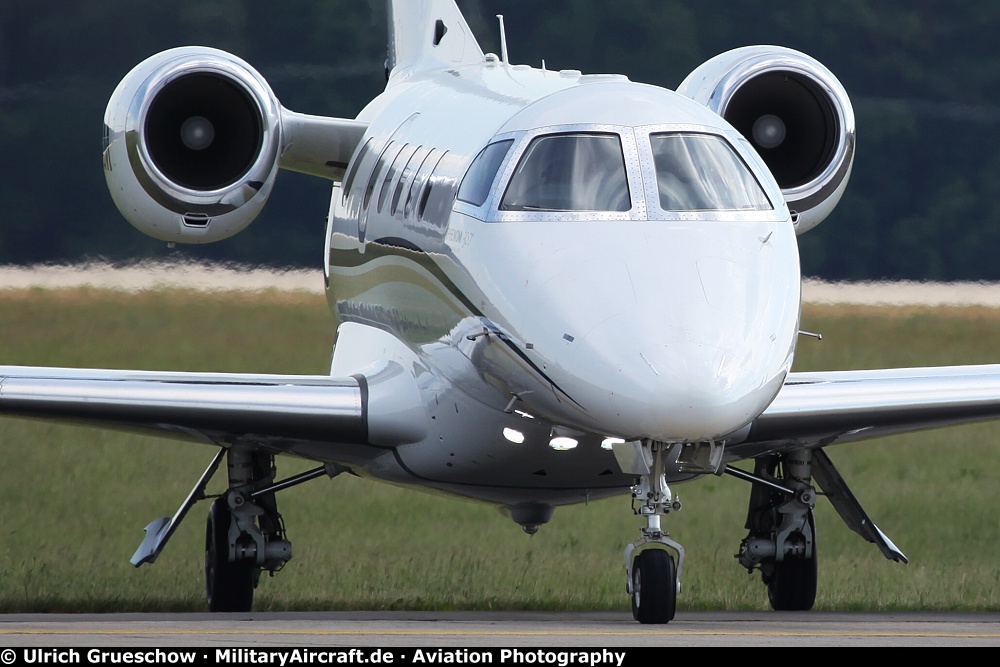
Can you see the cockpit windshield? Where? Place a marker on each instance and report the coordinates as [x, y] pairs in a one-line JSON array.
[[570, 172], [702, 172]]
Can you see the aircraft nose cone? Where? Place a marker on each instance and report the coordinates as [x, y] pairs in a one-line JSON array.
[[679, 381], [708, 394], [680, 332]]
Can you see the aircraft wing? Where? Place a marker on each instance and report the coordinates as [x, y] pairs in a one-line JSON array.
[[826, 408], [325, 418]]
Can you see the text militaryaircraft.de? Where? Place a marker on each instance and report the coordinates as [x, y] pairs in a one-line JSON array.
[[549, 287]]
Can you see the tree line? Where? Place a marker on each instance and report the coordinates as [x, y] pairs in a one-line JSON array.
[[924, 78]]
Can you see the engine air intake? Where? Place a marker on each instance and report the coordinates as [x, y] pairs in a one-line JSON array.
[[193, 142], [790, 122], [203, 132], [794, 112]]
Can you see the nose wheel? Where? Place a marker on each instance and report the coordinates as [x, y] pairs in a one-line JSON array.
[[654, 587]]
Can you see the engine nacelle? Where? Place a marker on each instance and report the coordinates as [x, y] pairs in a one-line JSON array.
[[192, 144], [794, 112]]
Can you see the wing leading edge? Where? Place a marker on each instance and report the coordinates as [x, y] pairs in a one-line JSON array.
[[324, 418], [820, 409], [815, 410]]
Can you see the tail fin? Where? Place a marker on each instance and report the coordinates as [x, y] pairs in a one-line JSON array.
[[425, 34]]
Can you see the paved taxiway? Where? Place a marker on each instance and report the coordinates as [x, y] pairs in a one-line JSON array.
[[514, 629]]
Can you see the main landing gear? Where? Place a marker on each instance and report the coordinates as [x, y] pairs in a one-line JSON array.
[[653, 577], [244, 535], [782, 538], [229, 584]]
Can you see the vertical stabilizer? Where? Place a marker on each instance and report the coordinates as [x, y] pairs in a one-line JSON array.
[[427, 34]]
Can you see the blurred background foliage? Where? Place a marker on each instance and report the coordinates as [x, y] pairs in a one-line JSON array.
[[924, 78]]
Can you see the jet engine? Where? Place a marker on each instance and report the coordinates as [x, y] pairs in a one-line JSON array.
[[192, 141], [794, 112]]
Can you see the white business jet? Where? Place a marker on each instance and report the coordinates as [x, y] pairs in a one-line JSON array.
[[548, 287]]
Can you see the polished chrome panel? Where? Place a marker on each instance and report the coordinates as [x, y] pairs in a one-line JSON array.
[[819, 409], [318, 145], [154, 201], [157, 196], [212, 407]]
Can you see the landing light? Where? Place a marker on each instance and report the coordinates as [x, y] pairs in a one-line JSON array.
[[562, 443], [513, 436], [609, 443]]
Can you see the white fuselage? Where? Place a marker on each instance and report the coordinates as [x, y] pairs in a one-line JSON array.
[[631, 323]]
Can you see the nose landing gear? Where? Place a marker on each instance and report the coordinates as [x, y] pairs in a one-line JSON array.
[[653, 577]]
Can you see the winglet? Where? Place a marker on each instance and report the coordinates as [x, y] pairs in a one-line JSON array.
[[428, 34]]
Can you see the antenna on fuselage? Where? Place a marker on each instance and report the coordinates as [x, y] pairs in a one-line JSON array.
[[503, 42]]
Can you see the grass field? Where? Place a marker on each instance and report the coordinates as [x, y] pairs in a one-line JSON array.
[[73, 501]]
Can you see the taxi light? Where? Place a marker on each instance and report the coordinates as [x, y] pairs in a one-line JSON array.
[[562, 443], [513, 436], [609, 443]]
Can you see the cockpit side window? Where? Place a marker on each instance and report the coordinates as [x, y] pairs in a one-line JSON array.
[[478, 180], [570, 172], [702, 172]]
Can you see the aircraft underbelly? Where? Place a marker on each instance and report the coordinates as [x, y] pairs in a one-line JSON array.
[[479, 451]]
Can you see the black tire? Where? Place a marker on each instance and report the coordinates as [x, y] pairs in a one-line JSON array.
[[792, 587], [654, 587], [229, 585]]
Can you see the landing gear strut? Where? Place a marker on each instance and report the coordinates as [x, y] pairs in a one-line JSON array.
[[245, 534], [782, 538], [653, 578]]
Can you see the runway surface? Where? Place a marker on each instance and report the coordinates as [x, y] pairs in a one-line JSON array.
[[509, 629]]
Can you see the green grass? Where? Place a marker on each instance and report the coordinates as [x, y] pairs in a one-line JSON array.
[[73, 501]]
